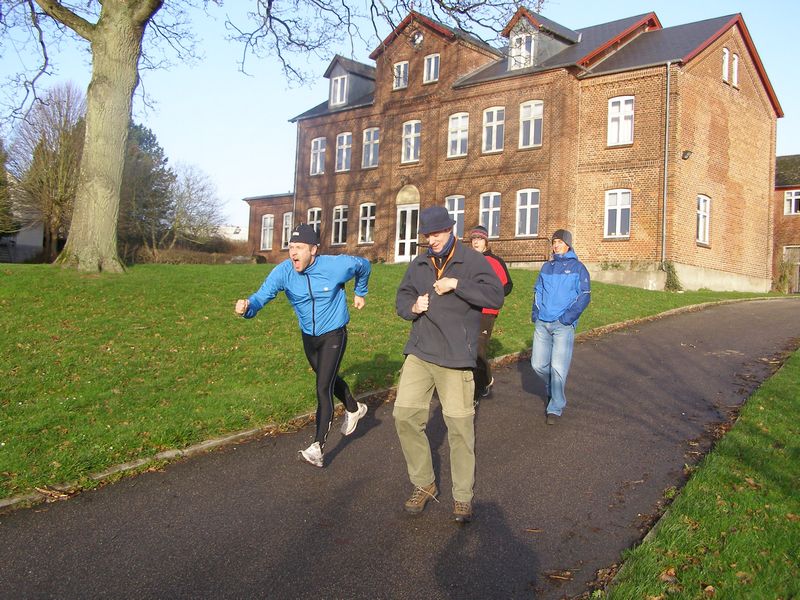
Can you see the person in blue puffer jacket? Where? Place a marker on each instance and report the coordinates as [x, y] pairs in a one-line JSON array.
[[314, 285], [561, 293]]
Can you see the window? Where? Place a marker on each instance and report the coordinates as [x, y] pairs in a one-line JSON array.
[[400, 75], [725, 59], [338, 90], [703, 218], [339, 234], [315, 218], [490, 213], [286, 230], [618, 214], [455, 206], [620, 120], [369, 157], [366, 224], [735, 71], [344, 147], [267, 227], [318, 156], [791, 204], [493, 128], [520, 51], [530, 124], [431, 69], [527, 213], [457, 135], [411, 141]]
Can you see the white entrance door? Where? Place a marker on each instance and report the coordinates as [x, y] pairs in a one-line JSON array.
[[405, 246]]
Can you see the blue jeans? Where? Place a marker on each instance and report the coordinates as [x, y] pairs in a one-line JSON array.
[[552, 354]]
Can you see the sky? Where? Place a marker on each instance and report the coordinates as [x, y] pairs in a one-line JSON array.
[[236, 129]]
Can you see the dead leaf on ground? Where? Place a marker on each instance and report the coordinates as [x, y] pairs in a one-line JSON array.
[[709, 590], [668, 576], [559, 575]]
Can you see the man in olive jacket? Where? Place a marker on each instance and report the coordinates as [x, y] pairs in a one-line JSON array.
[[442, 294]]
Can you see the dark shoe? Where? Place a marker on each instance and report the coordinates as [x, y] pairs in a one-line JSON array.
[[552, 419], [462, 511], [420, 497]]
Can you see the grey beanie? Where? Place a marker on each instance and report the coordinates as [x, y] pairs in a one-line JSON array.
[[563, 235]]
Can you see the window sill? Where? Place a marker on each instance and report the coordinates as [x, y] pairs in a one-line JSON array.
[[366, 243], [342, 171], [456, 157], [334, 244], [397, 89], [703, 245], [620, 145], [500, 151], [527, 236], [368, 167], [432, 81], [411, 163], [618, 238], [534, 147]]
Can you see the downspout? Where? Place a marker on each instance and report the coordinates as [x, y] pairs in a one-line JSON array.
[[666, 176], [296, 158]]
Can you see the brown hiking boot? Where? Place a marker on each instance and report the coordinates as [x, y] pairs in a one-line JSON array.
[[419, 498], [462, 511]]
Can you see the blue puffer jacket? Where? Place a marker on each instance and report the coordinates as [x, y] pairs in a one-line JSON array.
[[562, 291], [317, 294]]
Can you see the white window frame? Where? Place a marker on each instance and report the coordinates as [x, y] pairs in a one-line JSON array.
[[412, 141], [531, 113], [735, 71], [458, 135], [314, 217], [267, 231], [621, 110], [490, 213], [703, 219], [455, 208], [520, 51], [366, 223], [726, 55], [339, 90], [791, 202], [494, 122], [339, 229], [286, 230], [370, 147], [318, 156], [527, 213], [617, 203], [344, 151], [431, 73], [400, 75]]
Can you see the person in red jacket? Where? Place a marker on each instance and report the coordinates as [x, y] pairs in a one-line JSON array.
[[479, 238]]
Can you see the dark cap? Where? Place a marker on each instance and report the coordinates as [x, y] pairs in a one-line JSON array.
[[305, 234], [563, 235], [479, 231], [434, 218]]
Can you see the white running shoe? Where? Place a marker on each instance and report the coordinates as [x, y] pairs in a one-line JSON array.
[[351, 419], [312, 455]]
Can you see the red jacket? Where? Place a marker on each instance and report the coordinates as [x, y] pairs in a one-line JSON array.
[[499, 267]]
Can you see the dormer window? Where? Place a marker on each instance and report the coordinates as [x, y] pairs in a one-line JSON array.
[[400, 75], [339, 90], [520, 51]]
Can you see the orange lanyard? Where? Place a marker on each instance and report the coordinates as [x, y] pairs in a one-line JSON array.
[[438, 270]]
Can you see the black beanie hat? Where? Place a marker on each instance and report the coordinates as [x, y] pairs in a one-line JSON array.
[[306, 234]]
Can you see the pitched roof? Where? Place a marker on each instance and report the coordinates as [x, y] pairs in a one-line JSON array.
[[325, 109], [350, 66], [541, 22], [787, 171]]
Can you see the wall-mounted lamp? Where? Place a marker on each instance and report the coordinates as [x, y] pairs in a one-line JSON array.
[[686, 154]]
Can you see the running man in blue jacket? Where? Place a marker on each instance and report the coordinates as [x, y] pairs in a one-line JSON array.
[[561, 294], [314, 285]]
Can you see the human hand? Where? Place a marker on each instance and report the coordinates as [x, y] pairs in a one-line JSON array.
[[241, 307], [358, 302], [421, 305], [445, 285]]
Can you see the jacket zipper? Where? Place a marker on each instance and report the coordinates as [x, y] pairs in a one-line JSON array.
[[313, 305]]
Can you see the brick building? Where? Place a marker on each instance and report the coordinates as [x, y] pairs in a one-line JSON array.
[[651, 144], [787, 219]]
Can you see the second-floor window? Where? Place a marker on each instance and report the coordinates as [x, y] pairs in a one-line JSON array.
[[286, 230], [726, 57], [431, 69], [339, 233], [455, 206], [618, 214], [366, 224], [494, 122], [530, 123], [315, 218], [267, 229], [400, 80], [791, 202], [457, 135], [520, 51], [527, 213], [412, 131], [369, 155], [490, 213], [339, 90], [318, 156], [344, 147], [703, 219], [735, 70], [620, 120]]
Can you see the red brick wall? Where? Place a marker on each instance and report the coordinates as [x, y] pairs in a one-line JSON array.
[[275, 205], [787, 229]]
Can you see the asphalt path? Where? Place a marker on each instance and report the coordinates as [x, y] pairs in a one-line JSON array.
[[553, 504]]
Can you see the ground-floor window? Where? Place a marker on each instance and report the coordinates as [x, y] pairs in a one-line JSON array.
[[267, 228], [490, 213], [339, 235], [286, 230], [618, 214], [703, 218], [366, 224], [527, 212], [455, 206], [315, 218]]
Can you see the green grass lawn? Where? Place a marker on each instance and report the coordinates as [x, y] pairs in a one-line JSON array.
[[100, 370]]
